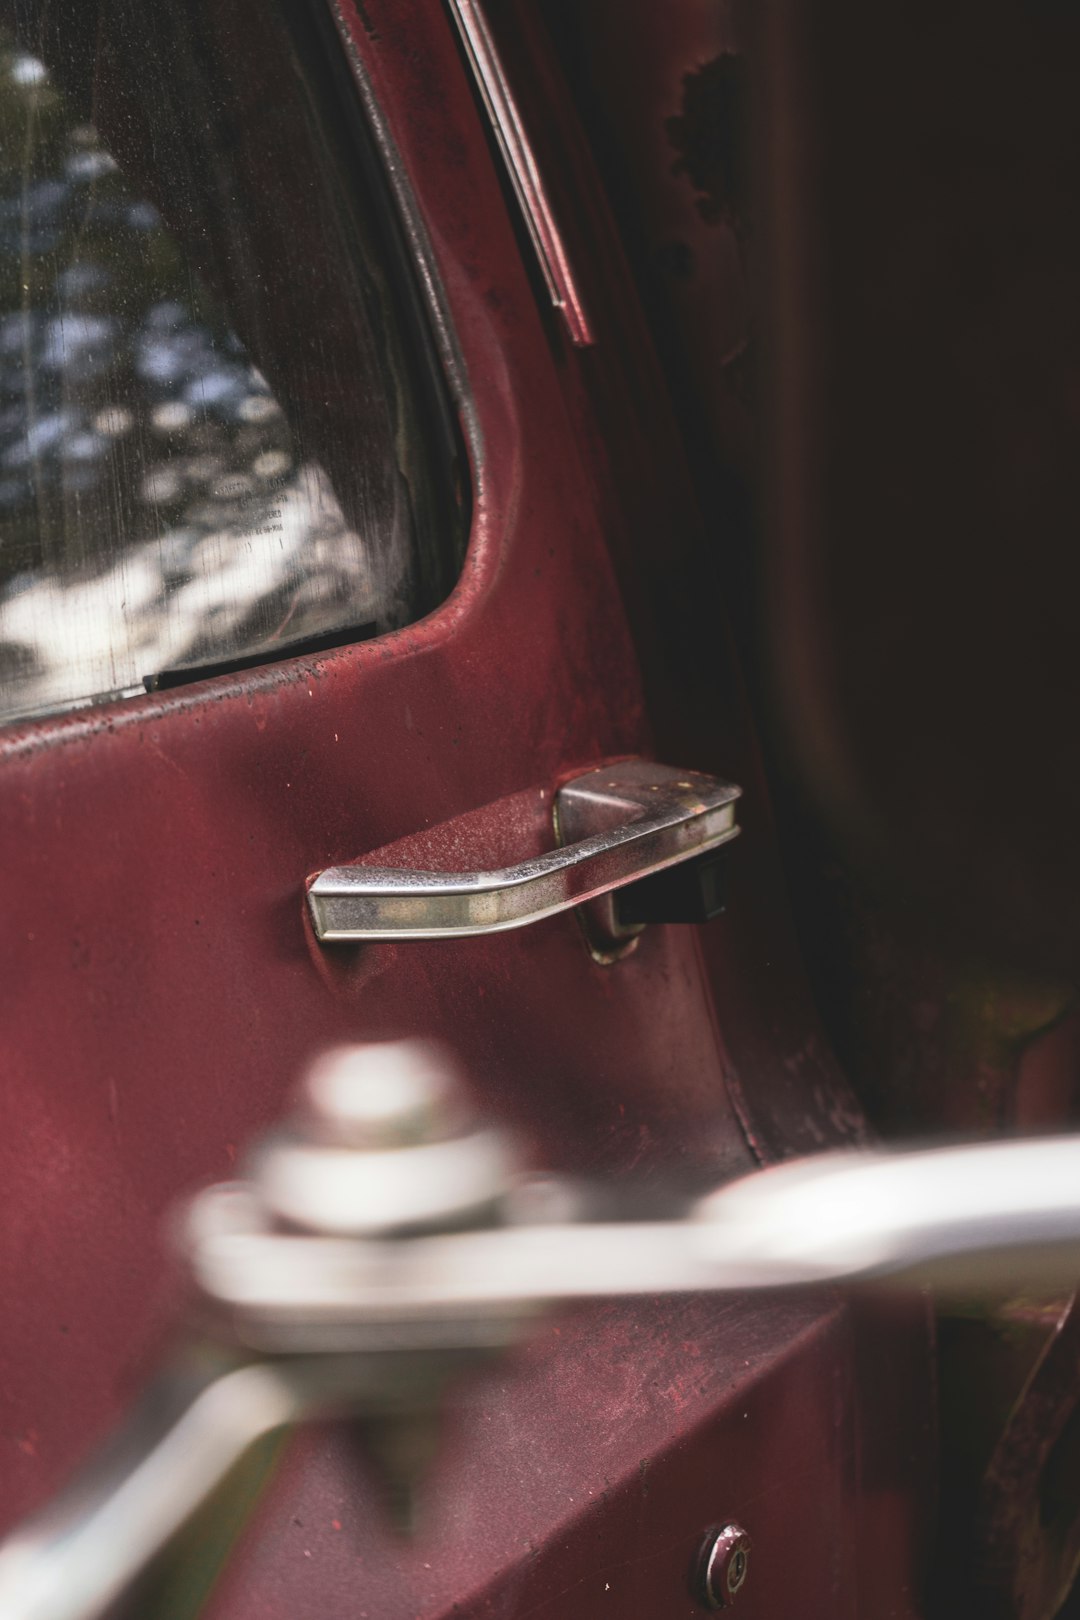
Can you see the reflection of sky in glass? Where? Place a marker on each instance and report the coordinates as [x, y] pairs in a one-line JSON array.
[[154, 512]]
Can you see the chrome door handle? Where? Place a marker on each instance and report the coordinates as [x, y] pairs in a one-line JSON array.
[[616, 825]]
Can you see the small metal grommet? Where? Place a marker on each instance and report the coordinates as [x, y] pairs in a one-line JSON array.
[[724, 1565]]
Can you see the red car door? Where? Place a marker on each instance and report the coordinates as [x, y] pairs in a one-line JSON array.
[[163, 988]]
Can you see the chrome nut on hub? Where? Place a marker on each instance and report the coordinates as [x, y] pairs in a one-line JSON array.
[[391, 1094], [383, 1142]]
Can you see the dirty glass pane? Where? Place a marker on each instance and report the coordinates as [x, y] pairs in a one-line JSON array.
[[221, 437]]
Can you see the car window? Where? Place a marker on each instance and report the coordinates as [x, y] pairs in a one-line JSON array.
[[222, 437]]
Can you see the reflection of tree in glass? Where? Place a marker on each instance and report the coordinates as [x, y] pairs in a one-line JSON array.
[[152, 510]]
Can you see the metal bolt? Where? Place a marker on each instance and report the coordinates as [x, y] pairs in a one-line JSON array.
[[390, 1094], [383, 1142], [725, 1564]]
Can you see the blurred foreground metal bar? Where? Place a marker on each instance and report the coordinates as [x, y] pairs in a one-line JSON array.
[[975, 1213], [328, 1284], [81, 1554]]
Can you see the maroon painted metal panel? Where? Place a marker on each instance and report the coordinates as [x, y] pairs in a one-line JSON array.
[[161, 990], [628, 1432]]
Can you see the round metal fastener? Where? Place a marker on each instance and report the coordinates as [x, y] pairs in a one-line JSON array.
[[379, 1095], [383, 1142], [725, 1563], [347, 1192]]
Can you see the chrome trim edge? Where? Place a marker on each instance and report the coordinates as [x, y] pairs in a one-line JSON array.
[[522, 168]]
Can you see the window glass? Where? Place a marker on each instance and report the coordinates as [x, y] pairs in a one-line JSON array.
[[221, 435]]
